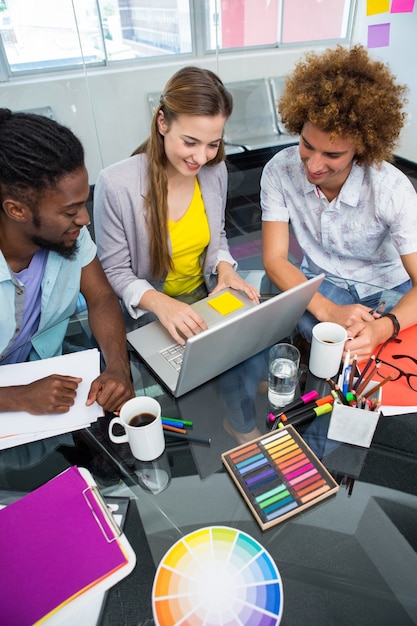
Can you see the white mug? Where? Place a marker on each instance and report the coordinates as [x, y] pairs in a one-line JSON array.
[[326, 349], [141, 420]]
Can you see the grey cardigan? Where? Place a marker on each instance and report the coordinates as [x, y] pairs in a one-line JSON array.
[[122, 235]]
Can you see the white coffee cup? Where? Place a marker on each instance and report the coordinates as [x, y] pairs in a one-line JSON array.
[[146, 438], [326, 349]]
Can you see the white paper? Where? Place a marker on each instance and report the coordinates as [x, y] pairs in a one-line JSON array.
[[84, 364], [397, 410]]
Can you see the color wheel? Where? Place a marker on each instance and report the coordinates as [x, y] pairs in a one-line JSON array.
[[216, 576]]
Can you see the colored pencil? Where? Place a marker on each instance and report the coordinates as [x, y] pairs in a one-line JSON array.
[[376, 387], [340, 395], [364, 371], [368, 379], [352, 372]]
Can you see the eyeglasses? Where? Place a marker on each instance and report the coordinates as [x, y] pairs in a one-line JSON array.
[[389, 369]]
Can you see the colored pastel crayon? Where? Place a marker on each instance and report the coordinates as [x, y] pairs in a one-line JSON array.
[[278, 475]]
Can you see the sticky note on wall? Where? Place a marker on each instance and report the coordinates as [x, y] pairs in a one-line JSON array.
[[402, 6], [225, 303], [378, 35], [377, 6]]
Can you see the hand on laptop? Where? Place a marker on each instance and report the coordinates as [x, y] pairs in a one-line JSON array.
[[180, 319], [229, 278]]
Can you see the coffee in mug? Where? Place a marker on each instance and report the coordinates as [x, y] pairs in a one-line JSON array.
[[142, 423], [141, 419]]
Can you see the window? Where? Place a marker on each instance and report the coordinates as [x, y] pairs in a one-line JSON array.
[[244, 23], [321, 20], [54, 34], [46, 35]]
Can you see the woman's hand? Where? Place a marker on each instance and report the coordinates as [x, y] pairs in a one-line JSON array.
[[227, 277], [180, 319]]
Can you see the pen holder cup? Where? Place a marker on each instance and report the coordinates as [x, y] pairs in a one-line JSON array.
[[352, 425]]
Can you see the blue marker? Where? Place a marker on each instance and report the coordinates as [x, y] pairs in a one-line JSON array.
[[346, 379]]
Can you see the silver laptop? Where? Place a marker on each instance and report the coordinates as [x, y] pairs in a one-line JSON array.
[[230, 339]]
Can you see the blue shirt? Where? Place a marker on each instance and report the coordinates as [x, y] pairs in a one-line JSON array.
[[60, 291]]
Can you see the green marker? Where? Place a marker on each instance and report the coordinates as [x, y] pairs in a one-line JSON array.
[[177, 419]]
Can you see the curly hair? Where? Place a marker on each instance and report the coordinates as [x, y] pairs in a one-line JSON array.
[[190, 91], [346, 93]]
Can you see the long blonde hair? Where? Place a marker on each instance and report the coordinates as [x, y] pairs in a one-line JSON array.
[[190, 91]]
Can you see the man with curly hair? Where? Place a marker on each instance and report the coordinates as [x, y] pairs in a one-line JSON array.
[[353, 213]]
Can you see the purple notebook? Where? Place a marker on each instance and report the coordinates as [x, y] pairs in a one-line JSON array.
[[55, 543]]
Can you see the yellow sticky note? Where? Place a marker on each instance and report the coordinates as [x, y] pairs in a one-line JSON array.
[[225, 303], [374, 7]]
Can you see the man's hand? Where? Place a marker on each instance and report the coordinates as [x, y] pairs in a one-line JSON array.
[[53, 394], [111, 389]]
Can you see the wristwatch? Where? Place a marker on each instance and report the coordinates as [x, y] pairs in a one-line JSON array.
[[395, 322]]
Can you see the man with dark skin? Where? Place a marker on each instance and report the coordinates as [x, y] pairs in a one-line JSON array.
[[47, 258]]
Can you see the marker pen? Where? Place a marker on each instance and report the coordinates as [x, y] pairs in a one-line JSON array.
[[309, 411], [309, 416], [305, 399], [288, 414], [346, 379]]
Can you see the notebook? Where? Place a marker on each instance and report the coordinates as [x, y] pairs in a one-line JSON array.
[[237, 329]]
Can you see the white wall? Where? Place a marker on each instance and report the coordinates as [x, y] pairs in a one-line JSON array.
[[401, 55], [108, 109]]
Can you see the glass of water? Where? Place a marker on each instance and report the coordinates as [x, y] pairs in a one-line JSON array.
[[284, 360]]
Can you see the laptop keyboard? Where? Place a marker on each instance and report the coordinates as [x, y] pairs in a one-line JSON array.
[[174, 355]]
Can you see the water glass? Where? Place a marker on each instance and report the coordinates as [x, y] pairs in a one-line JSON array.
[[284, 359]]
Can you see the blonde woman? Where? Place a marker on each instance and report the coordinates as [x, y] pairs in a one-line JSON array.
[[159, 215]]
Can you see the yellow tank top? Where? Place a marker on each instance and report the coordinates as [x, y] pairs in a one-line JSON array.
[[189, 237]]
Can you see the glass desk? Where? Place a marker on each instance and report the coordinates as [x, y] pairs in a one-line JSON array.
[[350, 559]]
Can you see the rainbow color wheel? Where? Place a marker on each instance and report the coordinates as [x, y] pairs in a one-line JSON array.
[[217, 576]]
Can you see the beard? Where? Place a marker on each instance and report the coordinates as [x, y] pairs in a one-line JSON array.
[[68, 253]]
